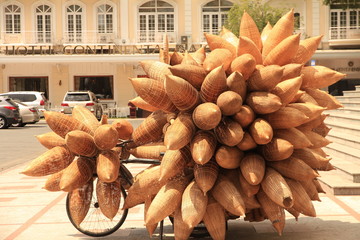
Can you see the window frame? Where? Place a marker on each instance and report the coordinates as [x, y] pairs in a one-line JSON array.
[[211, 14], [111, 84], [4, 30], [170, 23], [340, 23], [105, 14], [52, 25], [83, 33], [45, 84], [106, 36]]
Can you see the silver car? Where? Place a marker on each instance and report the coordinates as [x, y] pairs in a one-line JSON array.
[[9, 112], [83, 98], [28, 115], [30, 98]]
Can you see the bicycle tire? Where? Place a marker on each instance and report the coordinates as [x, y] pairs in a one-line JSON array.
[[95, 223]]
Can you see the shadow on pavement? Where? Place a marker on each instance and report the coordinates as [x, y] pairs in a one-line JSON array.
[[305, 229]]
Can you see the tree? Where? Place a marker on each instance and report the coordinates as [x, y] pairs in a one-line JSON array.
[[344, 4], [260, 12]]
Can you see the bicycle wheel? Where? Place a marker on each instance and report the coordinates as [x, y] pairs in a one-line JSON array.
[[95, 223]]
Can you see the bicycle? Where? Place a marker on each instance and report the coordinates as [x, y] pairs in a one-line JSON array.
[[96, 224]]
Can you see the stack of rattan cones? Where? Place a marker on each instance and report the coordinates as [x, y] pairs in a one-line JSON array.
[[80, 146], [242, 126], [248, 123]]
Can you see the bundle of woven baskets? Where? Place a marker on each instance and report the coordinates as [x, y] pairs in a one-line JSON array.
[[242, 128]]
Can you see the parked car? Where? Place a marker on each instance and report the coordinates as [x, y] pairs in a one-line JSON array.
[[83, 98], [9, 112], [28, 114], [30, 98]]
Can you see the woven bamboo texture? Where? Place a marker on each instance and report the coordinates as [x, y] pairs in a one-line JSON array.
[[193, 204], [181, 93], [180, 133], [261, 131], [206, 116], [263, 102], [50, 140], [294, 168], [195, 75], [249, 29], [52, 161], [79, 202], [276, 188], [108, 166], [109, 197], [266, 78], [106, 137], [252, 168], [228, 157], [229, 132], [61, 124], [229, 103], [82, 114], [79, 172], [123, 127], [206, 175], [203, 146], [236, 82], [277, 149], [81, 143]]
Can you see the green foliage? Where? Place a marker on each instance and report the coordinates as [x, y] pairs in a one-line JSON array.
[[261, 13], [343, 4]]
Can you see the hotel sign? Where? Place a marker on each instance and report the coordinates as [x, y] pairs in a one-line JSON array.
[[90, 49], [350, 67]]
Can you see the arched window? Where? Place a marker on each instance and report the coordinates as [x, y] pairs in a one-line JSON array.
[[74, 25], [105, 18], [43, 23], [12, 19], [155, 18], [214, 15]]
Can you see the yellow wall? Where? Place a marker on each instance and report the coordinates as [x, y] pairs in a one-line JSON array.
[[59, 72]]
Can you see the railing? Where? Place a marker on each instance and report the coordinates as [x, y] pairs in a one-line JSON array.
[[81, 37], [89, 37], [346, 32], [154, 37], [29, 37]]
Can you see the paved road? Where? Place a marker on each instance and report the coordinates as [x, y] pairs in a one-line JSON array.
[[19, 145]]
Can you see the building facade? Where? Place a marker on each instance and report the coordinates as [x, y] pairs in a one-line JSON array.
[[57, 46]]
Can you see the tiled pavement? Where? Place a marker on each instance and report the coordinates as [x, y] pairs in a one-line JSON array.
[[29, 212]]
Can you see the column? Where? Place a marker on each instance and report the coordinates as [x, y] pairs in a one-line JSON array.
[[124, 20], [315, 17], [188, 17]]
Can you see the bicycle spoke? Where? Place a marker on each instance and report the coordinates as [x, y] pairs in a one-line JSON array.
[[96, 223]]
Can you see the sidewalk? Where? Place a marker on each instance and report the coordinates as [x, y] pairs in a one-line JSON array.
[[29, 212]]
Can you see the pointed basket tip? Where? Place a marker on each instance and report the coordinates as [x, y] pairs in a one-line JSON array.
[[278, 228], [241, 210]]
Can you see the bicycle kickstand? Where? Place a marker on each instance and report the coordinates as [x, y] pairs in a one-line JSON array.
[[161, 229]]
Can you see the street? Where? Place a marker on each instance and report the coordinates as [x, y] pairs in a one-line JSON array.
[[19, 144]]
